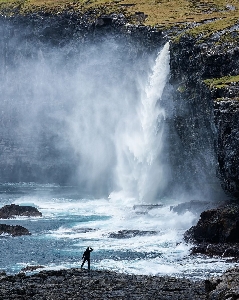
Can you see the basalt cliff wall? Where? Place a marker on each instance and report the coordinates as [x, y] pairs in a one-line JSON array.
[[204, 74]]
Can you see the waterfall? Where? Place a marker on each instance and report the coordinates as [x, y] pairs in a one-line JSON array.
[[85, 116], [141, 169], [98, 114]]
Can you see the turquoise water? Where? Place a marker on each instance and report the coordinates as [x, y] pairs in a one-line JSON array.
[[72, 221]]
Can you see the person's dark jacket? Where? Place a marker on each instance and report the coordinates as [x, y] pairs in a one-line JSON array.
[[87, 252]]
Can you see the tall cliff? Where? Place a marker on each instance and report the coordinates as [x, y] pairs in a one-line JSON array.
[[204, 73]]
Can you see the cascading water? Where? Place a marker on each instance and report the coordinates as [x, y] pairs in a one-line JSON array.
[[87, 124], [82, 120], [140, 157]]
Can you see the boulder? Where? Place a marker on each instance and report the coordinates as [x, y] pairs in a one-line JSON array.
[[10, 211], [219, 225], [13, 230]]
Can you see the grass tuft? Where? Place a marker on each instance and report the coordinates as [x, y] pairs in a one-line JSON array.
[[221, 82]]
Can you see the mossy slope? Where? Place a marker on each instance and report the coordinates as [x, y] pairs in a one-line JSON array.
[[163, 13]]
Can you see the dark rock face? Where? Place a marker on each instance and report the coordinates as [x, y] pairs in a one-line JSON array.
[[206, 119], [219, 249], [227, 123], [219, 225], [10, 211], [13, 230], [192, 146]]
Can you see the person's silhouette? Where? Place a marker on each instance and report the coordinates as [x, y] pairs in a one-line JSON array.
[[86, 257]]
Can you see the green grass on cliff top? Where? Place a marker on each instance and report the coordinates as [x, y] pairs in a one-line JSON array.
[[160, 13]]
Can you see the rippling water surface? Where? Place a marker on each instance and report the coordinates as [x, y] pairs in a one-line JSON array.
[[72, 221]]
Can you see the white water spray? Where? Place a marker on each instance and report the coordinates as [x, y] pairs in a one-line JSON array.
[[141, 171]]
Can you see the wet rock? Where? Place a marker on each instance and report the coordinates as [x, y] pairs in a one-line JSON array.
[[13, 210], [125, 234], [13, 230], [31, 268], [145, 208], [195, 206], [81, 284], [220, 249], [83, 229], [225, 286], [219, 225]]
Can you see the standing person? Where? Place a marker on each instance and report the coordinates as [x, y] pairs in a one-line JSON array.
[[86, 257]]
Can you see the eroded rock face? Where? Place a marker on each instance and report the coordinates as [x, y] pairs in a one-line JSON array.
[[219, 225], [227, 122], [13, 210], [13, 230], [202, 108], [193, 144]]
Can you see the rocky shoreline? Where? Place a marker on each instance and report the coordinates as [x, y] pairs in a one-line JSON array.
[[102, 284], [216, 232], [81, 284]]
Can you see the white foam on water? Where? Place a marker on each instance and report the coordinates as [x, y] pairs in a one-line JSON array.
[[141, 171], [161, 253]]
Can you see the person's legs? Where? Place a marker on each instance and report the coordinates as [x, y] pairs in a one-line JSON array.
[[83, 263], [88, 264]]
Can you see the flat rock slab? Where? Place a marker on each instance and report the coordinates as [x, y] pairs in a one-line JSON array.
[[84, 285]]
